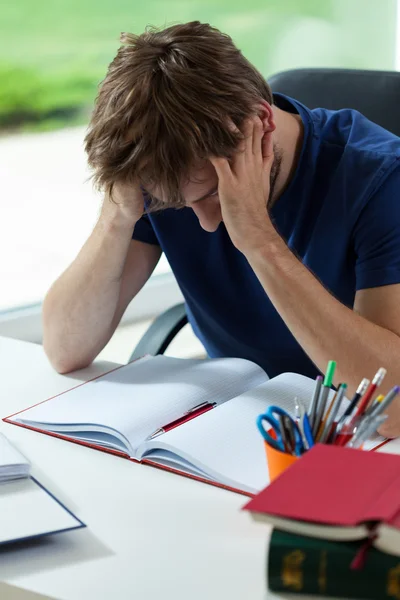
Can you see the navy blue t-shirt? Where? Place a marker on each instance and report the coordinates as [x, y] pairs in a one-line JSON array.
[[340, 214]]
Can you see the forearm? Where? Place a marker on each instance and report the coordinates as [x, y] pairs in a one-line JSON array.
[[323, 326], [79, 308]]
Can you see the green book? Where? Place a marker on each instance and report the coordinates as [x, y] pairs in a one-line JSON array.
[[306, 565]]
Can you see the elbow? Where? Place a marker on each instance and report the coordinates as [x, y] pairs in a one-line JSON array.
[[63, 365], [63, 357], [61, 362], [63, 368]]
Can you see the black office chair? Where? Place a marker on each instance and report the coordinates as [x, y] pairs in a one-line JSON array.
[[376, 94]]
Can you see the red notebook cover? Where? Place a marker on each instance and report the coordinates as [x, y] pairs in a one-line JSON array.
[[331, 485], [9, 419]]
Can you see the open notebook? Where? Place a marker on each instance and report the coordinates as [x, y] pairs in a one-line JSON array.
[[120, 410]]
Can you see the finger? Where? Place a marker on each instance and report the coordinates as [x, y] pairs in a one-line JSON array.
[[267, 148], [247, 130], [258, 131], [238, 156], [235, 129], [222, 168]]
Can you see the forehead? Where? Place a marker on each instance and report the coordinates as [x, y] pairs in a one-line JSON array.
[[202, 178]]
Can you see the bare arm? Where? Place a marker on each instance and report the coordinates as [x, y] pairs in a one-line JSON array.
[[360, 340], [84, 306]]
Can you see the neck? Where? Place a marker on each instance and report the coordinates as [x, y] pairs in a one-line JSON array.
[[289, 140]]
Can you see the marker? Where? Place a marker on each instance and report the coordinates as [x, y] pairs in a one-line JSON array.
[[329, 421], [323, 397], [326, 416], [314, 402]]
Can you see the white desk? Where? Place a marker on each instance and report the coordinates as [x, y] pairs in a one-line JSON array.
[[150, 535]]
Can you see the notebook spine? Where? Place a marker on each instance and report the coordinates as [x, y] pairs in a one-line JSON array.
[[317, 567]]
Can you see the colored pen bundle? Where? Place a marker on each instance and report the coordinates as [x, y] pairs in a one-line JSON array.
[[322, 423]]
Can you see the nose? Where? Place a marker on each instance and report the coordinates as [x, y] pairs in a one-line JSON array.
[[208, 213]]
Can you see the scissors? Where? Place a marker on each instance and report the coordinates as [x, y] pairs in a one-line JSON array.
[[274, 417]]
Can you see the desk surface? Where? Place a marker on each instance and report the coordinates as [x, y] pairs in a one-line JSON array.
[[150, 534]]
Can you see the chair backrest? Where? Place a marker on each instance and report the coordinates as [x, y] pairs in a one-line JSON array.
[[376, 94]]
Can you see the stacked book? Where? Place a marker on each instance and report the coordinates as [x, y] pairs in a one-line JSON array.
[[336, 519], [13, 465]]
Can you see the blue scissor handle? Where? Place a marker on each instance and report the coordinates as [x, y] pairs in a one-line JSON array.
[[277, 442], [270, 418]]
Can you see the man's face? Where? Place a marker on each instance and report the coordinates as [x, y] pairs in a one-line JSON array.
[[201, 192], [201, 195]]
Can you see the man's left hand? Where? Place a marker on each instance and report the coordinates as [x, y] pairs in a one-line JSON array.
[[244, 188]]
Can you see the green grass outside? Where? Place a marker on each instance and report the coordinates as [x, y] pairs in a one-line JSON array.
[[53, 53]]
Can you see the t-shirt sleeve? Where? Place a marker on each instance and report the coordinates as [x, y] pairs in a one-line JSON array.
[[144, 232], [377, 237]]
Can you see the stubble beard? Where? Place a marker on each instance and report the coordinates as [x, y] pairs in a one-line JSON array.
[[275, 171]]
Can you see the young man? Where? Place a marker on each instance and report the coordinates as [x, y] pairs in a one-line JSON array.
[[287, 242]]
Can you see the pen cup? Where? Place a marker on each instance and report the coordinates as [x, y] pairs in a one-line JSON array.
[[277, 461]]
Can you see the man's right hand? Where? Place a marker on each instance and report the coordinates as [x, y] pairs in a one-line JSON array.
[[84, 306], [124, 204]]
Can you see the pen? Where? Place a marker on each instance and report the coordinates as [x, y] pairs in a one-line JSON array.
[[314, 402], [307, 432], [370, 425], [194, 412], [362, 388], [288, 425], [379, 408], [377, 380], [373, 405], [324, 396], [331, 417], [283, 431], [348, 429], [303, 424]]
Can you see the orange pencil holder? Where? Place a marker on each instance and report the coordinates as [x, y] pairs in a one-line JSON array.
[[277, 461]]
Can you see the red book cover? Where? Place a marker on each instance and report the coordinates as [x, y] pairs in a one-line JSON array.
[[331, 485]]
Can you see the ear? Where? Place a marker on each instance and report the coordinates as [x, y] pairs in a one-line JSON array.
[[266, 114]]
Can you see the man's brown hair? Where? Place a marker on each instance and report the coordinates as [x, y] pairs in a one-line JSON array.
[[166, 102]]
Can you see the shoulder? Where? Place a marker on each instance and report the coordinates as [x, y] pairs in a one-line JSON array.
[[351, 130], [365, 158]]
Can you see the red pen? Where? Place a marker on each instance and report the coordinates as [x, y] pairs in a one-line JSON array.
[[194, 412], [377, 380]]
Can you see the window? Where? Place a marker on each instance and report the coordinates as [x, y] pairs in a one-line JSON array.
[[52, 55]]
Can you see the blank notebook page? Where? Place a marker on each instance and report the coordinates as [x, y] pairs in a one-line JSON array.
[[147, 394], [225, 442]]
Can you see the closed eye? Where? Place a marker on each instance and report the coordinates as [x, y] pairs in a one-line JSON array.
[[208, 195]]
